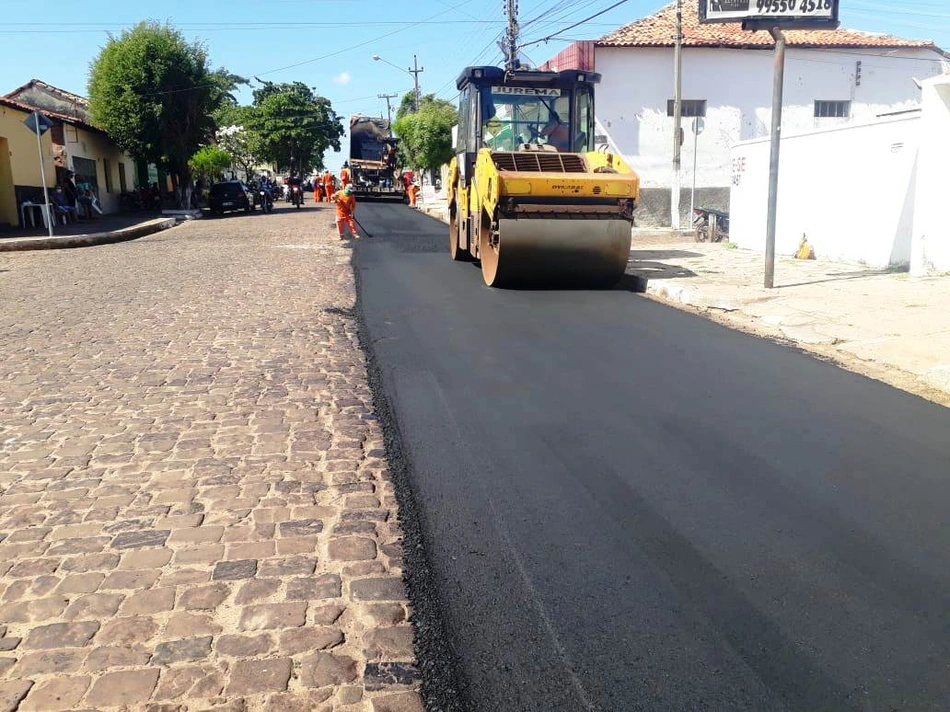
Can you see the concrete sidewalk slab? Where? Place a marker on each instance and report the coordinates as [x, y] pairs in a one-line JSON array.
[[57, 242]]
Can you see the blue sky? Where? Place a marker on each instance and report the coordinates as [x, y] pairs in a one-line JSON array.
[[263, 37]]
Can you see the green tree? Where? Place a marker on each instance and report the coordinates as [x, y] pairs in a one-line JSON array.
[[294, 126], [210, 161], [426, 135], [152, 91]]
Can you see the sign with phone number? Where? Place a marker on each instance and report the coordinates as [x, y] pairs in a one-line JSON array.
[[768, 10]]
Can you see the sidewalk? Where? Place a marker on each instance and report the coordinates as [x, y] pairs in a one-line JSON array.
[[109, 229], [883, 324]]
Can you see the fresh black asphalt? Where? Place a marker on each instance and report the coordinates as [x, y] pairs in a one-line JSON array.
[[615, 505]]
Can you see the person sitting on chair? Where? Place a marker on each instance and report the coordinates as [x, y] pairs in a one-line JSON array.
[[61, 205]]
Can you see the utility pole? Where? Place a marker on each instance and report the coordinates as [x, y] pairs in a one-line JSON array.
[[510, 47], [415, 76], [677, 117], [389, 109], [778, 90]]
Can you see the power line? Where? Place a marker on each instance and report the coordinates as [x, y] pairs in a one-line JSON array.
[[576, 24]]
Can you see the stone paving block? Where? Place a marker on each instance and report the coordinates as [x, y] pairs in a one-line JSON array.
[[182, 651], [390, 643], [100, 659], [53, 695], [181, 625], [273, 615], [204, 598], [314, 588], [377, 589], [130, 580], [157, 600], [324, 669], [352, 549], [207, 554], [145, 559], [379, 676], [126, 687], [94, 606], [302, 640], [49, 662], [80, 583], [12, 692], [251, 677], [288, 566], [62, 635], [244, 646], [134, 540], [400, 702], [234, 570]]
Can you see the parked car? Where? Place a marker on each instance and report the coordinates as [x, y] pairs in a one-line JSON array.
[[230, 195]]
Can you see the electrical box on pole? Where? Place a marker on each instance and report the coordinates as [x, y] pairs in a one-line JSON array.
[[774, 16]]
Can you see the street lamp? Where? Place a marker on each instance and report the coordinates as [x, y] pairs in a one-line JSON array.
[[415, 76]]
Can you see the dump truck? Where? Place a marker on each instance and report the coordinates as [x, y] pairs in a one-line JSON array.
[[528, 196], [372, 159]]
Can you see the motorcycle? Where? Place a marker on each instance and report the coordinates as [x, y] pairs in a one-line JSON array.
[[711, 225], [267, 202], [296, 195]]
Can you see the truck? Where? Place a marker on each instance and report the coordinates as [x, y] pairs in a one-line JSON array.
[[373, 164]]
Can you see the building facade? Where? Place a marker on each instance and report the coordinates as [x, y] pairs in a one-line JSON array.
[[831, 77], [73, 144]]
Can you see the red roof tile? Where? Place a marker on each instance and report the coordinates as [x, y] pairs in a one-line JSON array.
[[659, 29]]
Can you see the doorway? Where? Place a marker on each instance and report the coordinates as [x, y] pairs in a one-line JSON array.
[[8, 212]]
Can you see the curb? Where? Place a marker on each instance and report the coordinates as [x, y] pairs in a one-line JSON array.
[[99, 238], [691, 296]]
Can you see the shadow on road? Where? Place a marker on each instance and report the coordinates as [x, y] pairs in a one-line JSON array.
[[645, 265]]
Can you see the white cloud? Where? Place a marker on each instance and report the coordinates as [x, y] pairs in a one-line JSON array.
[[342, 78]]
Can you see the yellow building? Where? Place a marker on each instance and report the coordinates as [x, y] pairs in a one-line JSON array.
[[72, 144]]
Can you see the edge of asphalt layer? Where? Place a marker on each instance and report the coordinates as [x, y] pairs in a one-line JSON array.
[[442, 688], [97, 238]]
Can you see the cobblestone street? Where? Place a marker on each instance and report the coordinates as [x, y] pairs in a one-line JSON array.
[[195, 510]]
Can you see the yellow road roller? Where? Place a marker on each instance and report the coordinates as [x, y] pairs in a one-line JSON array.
[[528, 195]]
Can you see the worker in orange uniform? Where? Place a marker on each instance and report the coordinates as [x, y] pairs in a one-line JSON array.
[[327, 185], [345, 174], [345, 211], [413, 193], [317, 190]]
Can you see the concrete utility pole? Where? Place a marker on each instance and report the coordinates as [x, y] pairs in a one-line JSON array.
[[511, 35], [778, 88], [677, 117], [389, 109], [415, 76]]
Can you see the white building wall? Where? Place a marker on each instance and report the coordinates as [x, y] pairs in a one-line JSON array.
[[737, 85], [931, 243], [849, 189]]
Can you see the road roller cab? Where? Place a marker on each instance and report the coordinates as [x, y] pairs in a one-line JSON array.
[[528, 195]]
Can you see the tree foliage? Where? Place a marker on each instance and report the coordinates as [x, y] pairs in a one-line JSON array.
[[152, 91], [293, 126], [237, 139], [427, 134], [210, 161]]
